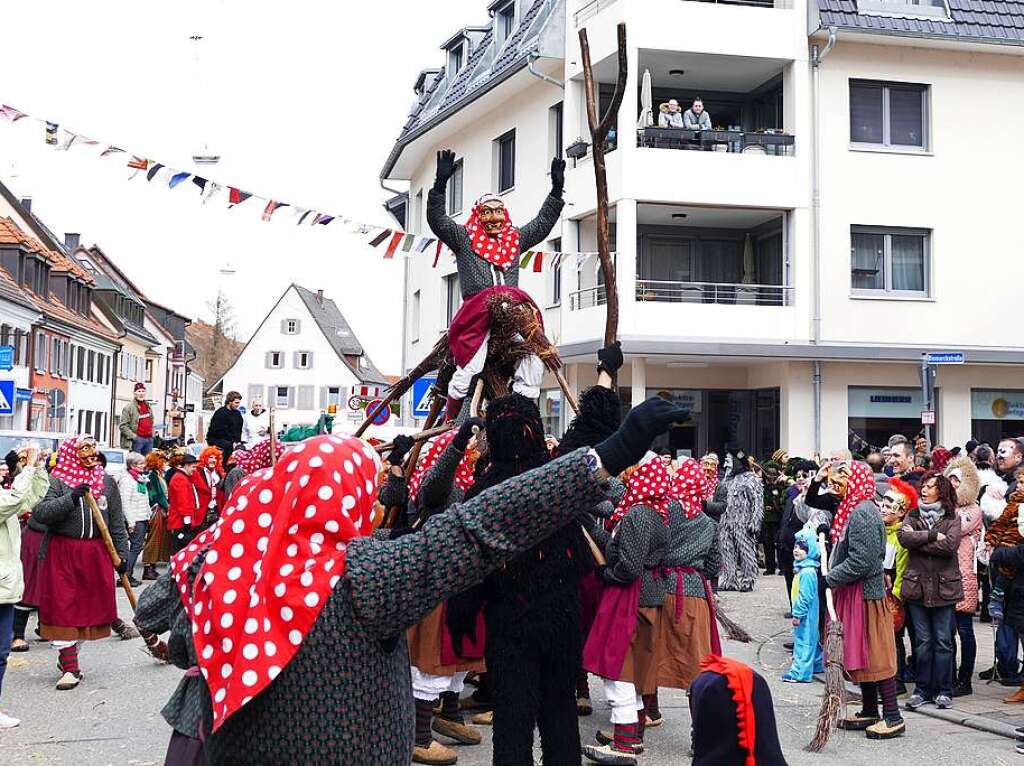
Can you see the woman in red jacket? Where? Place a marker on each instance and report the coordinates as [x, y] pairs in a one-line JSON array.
[[208, 479], [184, 517]]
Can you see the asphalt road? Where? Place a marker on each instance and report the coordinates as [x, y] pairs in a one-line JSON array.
[[113, 717]]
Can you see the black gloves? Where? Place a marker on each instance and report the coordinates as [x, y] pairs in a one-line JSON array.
[[402, 446], [642, 426], [822, 530], [461, 440], [557, 176], [460, 614], [122, 567], [445, 168], [609, 358], [79, 492]]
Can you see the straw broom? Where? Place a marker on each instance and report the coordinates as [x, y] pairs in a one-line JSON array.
[[733, 629], [835, 689]]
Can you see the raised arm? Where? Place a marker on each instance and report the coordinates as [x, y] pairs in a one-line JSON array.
[[537, 230], [444, 228], [438, 485], [29, 488]]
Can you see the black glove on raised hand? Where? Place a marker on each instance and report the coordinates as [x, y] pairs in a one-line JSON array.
[[461, 440], [79, 492], [122, 567], [557, 177], [609, 358], [641, 427], [822, 530], [402, 446], [445, 168]]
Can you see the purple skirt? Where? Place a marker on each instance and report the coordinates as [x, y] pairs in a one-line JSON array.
[[184, 751], [849, 601], [31, 541], [612, 632]]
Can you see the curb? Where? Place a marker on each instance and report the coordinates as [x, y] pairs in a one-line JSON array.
[[980, 723]]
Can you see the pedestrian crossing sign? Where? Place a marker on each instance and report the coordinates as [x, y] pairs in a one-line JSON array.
[[421, 397], [6, 397]]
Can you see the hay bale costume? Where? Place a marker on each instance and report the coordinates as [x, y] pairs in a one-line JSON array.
[[314, 608], [856, 578], [73, 584], [740, 526], [497, 323]]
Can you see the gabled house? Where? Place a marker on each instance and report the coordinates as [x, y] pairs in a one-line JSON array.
[[303, 359]]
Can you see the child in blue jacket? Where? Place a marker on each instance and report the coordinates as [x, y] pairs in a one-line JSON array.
[[807, 658]]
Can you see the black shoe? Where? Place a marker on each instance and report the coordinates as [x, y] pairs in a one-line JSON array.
[[788, 615], [788, 646], [149, 572], [963, 689], [985, 616], [986, 675], [135, 583], [1012, 681]]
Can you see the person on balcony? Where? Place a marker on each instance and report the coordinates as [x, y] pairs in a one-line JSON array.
[[670, 116], [696, 118]]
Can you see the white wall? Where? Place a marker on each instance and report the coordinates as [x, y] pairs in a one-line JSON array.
[[251, 367]]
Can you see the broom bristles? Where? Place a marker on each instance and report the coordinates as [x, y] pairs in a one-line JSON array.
[[834, 698], [733, 630]]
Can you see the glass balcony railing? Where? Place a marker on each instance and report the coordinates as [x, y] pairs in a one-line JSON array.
[[649, 290]]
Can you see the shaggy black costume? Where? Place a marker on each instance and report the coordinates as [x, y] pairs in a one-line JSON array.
[[532, 610]]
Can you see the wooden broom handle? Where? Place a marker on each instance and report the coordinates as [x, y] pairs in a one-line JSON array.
[[829, 599], [115, 559]]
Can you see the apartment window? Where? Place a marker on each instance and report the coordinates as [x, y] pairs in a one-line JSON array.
[[290, 326], [456, 57], [453, 297], [890, 261], [505, 161], [282, 397], [455, 190], [888, 114], [414, 319], [556, 275], [929, 8], [303, 361], [40, 352], [149, 370], [275, 360], [555, 126], [505, 20]]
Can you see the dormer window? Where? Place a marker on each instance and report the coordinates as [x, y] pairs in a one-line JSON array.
[[456, 58], [505, 21], [929, 9]]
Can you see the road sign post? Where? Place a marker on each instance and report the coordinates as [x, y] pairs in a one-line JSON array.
[[7, 397]]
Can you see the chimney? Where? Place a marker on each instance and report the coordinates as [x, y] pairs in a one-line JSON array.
[[320, 298], [71, 240], [26, 202]]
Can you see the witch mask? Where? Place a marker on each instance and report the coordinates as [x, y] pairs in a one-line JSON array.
[[839, 478], [493, 217], [88, 455]]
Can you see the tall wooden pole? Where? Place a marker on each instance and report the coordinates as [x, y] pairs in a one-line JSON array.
[[599, 137]]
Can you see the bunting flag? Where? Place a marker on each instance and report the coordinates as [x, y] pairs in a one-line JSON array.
[[408, 243], [177, 178]]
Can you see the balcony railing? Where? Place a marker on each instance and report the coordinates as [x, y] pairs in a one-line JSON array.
[[733, 141], [713, 292], [594, 7], [588, 298]]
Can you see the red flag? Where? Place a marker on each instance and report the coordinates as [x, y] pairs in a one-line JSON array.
[[437, 255], [396, 240], [138, 163], [237, 196], [538, 259], [272, 205]]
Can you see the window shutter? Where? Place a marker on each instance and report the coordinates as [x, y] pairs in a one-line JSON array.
[[306, 397], [309, 360], [284, 326], [298, 326], [291, 397], [323, 397], [271, 400]]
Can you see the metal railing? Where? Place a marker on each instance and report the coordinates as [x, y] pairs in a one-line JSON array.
[[650, 290], [588, 298], [732, 141], [590, 10]]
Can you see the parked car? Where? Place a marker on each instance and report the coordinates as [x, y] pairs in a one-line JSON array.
[[117, 460], [47, 440]]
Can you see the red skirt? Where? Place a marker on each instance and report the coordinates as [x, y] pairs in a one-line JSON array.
[[76, 590], [31, 541], [472, 322]]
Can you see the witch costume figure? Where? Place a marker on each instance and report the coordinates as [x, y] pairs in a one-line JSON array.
[[487, 251], [740, 526]]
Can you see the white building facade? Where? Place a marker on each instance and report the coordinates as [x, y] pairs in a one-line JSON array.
[[302, 360], [778, 322]]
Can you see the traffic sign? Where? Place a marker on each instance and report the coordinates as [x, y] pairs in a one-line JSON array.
[[6, 397], [6, 357], [23, 395], [421, 397], [945, 357], [383, 416], [928, 418]]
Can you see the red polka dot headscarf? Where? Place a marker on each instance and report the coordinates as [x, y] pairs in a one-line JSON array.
[[688, 487], [648, 485], [273, 559], [256, 458], [860, 487], [69, 469], [501, 251], [431, 454]]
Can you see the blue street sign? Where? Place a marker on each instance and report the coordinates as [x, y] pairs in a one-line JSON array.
[[421, 397], [6, 357], [23, 395], [945, 357], [6, 397]]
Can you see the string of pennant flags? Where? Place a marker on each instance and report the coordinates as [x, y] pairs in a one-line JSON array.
[[392, 241]]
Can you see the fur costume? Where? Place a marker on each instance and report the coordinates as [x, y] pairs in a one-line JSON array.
[[739, 528], [534, 640]]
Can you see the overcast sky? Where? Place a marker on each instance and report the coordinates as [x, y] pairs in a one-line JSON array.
[[303, 100]]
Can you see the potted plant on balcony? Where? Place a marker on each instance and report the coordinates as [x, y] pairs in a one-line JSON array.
[[577, 150]]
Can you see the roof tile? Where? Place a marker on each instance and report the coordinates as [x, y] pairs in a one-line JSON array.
[[969, 20]]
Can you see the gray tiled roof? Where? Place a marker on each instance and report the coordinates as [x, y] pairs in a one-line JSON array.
[[340, 335], [992, 21], [488, 63]]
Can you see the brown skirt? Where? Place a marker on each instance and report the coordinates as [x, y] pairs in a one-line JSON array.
[[158, 541], [881, 647], [76, 590], [641, 664], [683, 645], [425, 647]]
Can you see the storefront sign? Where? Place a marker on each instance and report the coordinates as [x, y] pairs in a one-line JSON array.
[[885, 403], [680, 397], [997, 405]]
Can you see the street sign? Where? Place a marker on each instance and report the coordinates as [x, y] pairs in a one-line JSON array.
[[6, 397], [23, 395], [421, 397], [945, 357], [928, 418], [6, 357], [383, 416], [355, 403]]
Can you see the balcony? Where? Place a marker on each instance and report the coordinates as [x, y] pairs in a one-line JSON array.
[[594, 7], [726, 293]]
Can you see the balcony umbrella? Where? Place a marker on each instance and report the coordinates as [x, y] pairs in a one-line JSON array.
[[646, 103], [748, 261]]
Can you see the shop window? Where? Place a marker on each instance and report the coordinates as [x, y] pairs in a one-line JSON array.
[[996, 415]]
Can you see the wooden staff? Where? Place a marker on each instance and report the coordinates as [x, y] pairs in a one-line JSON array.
[[570, 396], [101, 525], [421, 436]]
